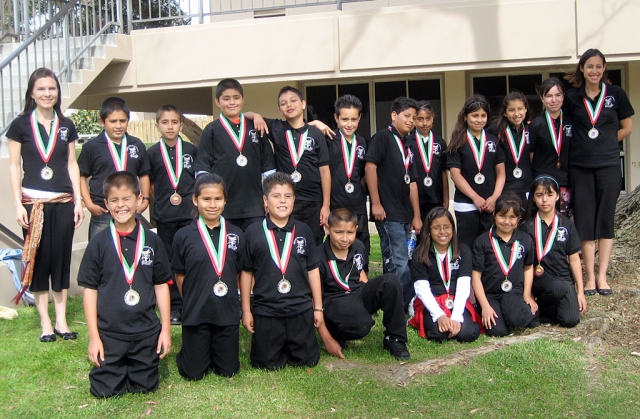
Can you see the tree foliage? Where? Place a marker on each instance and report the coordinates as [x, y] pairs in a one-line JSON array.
[[86, 122]]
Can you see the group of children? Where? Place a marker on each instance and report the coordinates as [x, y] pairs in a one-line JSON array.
[[290, 282]]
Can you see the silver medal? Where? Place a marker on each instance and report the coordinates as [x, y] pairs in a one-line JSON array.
[[506, 285], [296, 176], [220, 289], [593, 133], [448, 303], [517, 173], [349, 187], [479, 178], [131, 297], [175, 199], [241, 161], [428, 181], [284, 286], [46, 173], [407, 179]]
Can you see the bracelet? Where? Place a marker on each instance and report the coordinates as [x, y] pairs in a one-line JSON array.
[[321, 309], [145, 198]]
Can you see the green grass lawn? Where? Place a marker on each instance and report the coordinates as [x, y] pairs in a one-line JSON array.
[[540, 379]]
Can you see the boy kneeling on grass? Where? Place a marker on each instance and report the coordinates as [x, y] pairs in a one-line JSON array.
[[124, 272]]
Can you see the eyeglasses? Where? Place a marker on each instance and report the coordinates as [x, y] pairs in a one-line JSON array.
[[446, 228]]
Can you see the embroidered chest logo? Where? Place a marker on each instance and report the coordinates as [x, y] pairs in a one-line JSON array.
[[456, 265], [609, 102], [146, 258], [301, 245], [187, 161], [562, 234], [526, 137], [436, 149], [254, 136], [520, 252], [232, 241], [360, 152], [63, 134], [568, 130], [491, 147], [410, 154], [310, 144], [133, 151], [358, 260]]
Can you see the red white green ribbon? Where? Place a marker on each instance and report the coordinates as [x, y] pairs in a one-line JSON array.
[[119, 160], [281, 261], [217, 257], [296, 153], [594, 113], [427, 158], [506, 268], [444, 267], [406, 159], [174, 175], [478, 151], [349, 156], [555, 139], [129, 270], [45, 151], [344, 283], [238, 139], [516, 152], [543, 249]]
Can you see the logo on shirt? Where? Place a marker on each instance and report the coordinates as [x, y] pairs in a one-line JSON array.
[[146, 258], [232, 241], [436, 149], [410, 154], [360, 152], [568, 130], [609, 102], [301, 245], [456, 265], [63, 134], [310, 144], [491, 146], [358, 260], [526, 136], [520, 252], [187, 161], [133, 151], [562, 234], [254, 136]]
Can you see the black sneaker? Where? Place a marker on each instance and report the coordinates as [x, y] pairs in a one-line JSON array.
[[176, 317], [396, 348]]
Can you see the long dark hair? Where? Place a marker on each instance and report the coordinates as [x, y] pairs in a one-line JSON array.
[[502, 119], [422, 251], [549, 183], [205, 180], [577, 77], [29, 103], [458, 137]]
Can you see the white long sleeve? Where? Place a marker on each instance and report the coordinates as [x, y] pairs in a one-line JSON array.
[[423, 292], [463, 290]]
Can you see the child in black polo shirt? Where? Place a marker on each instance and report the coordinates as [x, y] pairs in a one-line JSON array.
[[350, 298], [231, 147], [428, 153], [503, 271], [206, 262], [557, 256], [281, 256], [124, 272], [346, 151], [172, 178], [111, 151]]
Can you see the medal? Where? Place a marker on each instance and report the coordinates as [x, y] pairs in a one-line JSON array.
[[478, 154], [516, 152], [506, 268], [406, 159], [349, 187], [556, 139], [427, 158], [174, 176], [217, 257], [45, 151], [131, 297], [558, 164], [543, 248], [238, 139], [281, 261], [517, 173], [448, 303], [444, 269], [342, 282], [296, 153], [479, 178], [594, 113], [119, 160], [407, 179]]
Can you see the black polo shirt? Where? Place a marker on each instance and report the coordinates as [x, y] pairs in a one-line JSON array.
[[603, 151], [567, 243], [429, 194], [463, 159], [352, 266], [485, 261], [316, 155], [357, 200], [101, 270], [217, 153], [522, 184], [163, 210], [393, 190], [545, 156], [459, 268], [267, 300], [190, 258], [95, 162], [32, 163]]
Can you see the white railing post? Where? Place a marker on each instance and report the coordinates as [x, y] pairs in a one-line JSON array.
[[129, 16], [65, 43], [16, 19], [120, 14], [200, 11]]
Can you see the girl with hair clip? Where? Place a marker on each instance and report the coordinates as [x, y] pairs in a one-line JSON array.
[[206, 262], [601, 115], [477, 169], [503, 271], [513, 136], [557, 248], [550, 136], [46, 198], [441, 269]]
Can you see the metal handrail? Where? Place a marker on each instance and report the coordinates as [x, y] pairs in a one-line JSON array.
[[11, 235]]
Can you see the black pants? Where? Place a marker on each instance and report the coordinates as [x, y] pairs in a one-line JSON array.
[[362, 234], [309, 213], [469, 331], [166, 232], [557, 300], [472, 224], [348, 316], [127, 365], [512, 311], [278, 341], [208, 347]]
